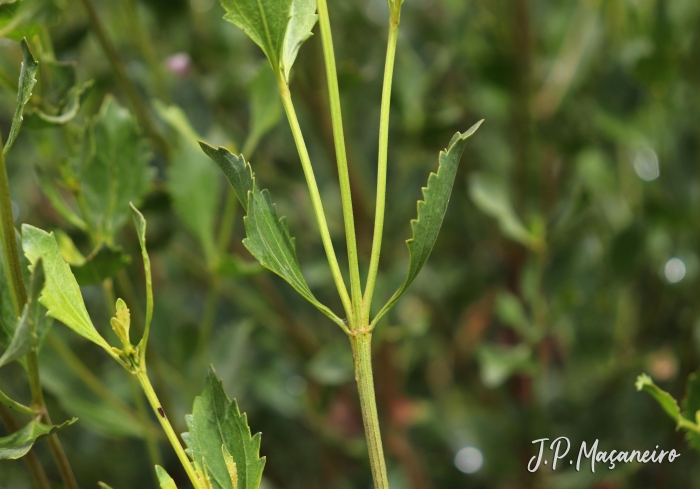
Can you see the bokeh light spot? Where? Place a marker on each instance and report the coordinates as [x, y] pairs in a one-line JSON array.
[[674, 270], [646, 164], [469, 460]]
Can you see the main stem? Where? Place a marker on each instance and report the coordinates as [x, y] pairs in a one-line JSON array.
[[167, 427], [19, 298], [342, 160], [315, 196], [395, 19], [362, 355]]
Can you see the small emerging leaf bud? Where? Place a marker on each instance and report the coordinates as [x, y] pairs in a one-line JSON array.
[[121, 323]]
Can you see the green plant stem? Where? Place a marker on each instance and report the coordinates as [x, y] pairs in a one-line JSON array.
[[315, 196], [32, 461], [151, 442], [137, 104], [362, 355], [19, 298], [16, 406], [167, 427], [342, 160], [382, 161]]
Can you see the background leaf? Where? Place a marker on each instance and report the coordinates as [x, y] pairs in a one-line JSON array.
[[118, 172], [491, 196], [215, 422], [194, 183]]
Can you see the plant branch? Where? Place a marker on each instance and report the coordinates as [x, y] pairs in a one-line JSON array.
[[362, 356], [137, 104], [379, 209], [315, 196], [167, 427], [342, 160]]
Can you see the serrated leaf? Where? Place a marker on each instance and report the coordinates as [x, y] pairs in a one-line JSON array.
[[165, 481], [431, 212], [268, 238], [665, 400], [193, 182], [490, 195], [118, 171], [215, 422], [279, 27], [27, 80], [61, 295], [20, 442], [265, 108]]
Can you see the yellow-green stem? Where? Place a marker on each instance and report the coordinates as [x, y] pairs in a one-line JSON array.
[[315, 196], [362, 355], [342, 160], [395, 18], [167, 427], [151, 442]]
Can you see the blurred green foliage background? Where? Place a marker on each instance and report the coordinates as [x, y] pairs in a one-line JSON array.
[[567, 265]]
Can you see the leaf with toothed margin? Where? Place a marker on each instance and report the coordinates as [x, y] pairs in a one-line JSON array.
[[431, 212], [27, 80], [218, 433], [20, 442], [279, 27], [61, 294], [268, 238]]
